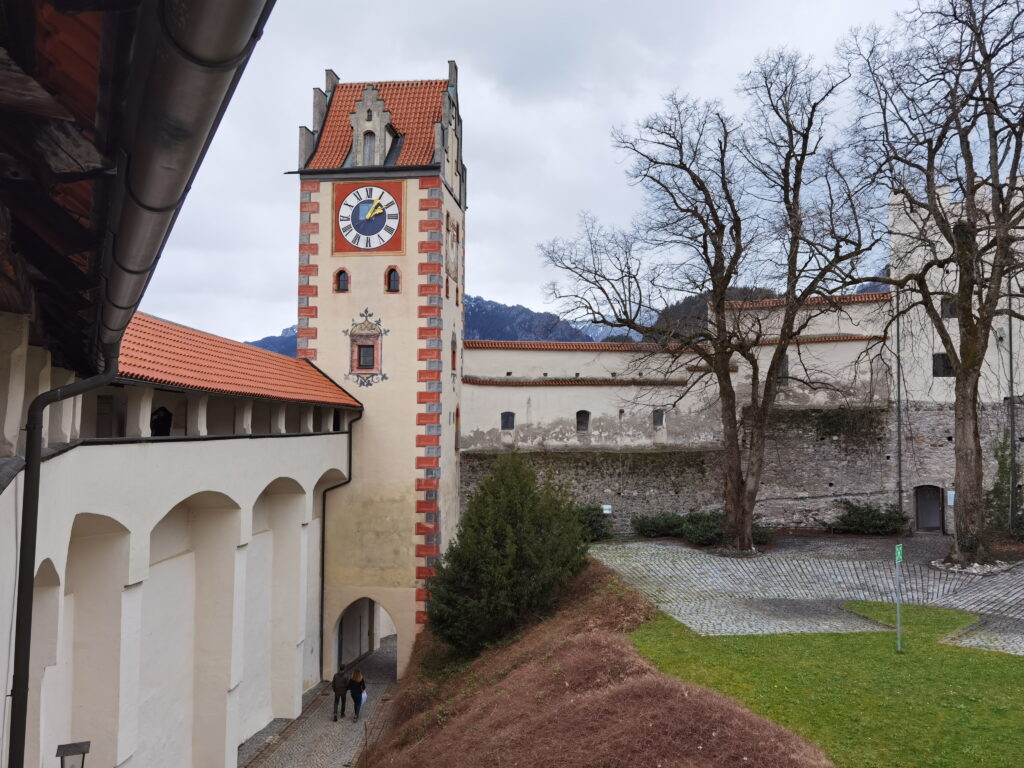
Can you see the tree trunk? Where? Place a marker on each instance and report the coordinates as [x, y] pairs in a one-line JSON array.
[[969, 503], [737, 525]]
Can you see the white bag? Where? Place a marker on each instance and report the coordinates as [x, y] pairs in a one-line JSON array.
[[364, 697]]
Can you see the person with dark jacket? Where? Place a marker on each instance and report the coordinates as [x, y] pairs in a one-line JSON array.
[[356, 686], [339, 684]]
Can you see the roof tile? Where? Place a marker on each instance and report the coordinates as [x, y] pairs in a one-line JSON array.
[[162, 352], [415, 107]]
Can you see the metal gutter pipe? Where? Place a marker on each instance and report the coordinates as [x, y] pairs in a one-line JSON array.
[[323, 534], [190, 56], [27, 550]]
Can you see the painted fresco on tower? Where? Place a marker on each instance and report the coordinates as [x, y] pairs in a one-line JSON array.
[[366, 338]]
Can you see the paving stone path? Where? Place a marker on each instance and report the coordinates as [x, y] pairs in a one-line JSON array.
[[800, 587], [314, 739]]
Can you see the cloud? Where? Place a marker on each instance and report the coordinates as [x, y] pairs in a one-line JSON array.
[[541, 84]]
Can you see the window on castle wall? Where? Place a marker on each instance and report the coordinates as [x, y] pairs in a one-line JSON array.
[[456, 297], [947, 308], [508, 420], [582, 421], [658, 417], [942, 366], [341, 281], [369, 148], [366, 359], [455, 354], [447, 287], [782, 377], [392, 281]]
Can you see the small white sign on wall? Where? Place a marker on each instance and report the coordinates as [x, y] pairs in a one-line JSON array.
[[606, 509], [950, 498]]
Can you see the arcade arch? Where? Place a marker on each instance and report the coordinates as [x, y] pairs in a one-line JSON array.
[[188, 614], [93, 612], [43, 674], [271, 684]]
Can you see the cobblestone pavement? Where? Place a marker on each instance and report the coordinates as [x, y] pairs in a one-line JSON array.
[[314, 739], [800, 586]]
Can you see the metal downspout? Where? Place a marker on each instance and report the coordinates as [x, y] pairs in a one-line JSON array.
[[27, 549], [323, 534]]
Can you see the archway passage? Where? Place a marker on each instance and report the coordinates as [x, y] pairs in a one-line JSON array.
[[365, 637], [928, 507]]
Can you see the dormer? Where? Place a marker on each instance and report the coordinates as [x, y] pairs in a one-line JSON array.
[[374, 139]]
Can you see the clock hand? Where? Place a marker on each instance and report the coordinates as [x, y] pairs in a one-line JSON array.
[[374, 209]]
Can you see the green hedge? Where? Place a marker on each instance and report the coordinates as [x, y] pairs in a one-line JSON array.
[[869, 518], [701, 529]]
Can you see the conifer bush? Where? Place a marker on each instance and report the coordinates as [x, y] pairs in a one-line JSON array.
[[520, 541], [868, 518]]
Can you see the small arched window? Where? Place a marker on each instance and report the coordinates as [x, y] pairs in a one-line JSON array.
[[658, 417], [341, 283], [447, 287], [369, 148], [582, 421], [455, 354], [392, 280], [369, 114], [508, 420]]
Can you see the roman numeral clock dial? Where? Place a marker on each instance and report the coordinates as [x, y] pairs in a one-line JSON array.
[[368, 217]]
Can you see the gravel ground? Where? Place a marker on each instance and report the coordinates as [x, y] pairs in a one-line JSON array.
[[800, 585], [314, 739]]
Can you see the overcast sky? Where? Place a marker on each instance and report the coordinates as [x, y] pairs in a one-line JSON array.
[[541, 85]]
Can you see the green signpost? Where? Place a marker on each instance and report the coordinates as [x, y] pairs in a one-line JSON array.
[[899, 627]]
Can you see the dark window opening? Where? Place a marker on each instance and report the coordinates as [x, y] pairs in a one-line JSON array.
[[366, 356], [942, 366], [508, 420], [341, 281], [782, 378], [582, 421], [369, 114], [658, 417], [369, 148], [447, 288], [947, 308], [392, 282]]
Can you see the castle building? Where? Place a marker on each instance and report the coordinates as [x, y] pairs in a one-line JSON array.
[[198, 532]]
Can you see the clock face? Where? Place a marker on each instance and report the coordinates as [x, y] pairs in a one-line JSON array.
[[368, 217]]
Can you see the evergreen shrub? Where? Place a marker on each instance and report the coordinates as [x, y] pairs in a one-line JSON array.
[[520, 541], [869, 518], [701, 529], [594, 523]]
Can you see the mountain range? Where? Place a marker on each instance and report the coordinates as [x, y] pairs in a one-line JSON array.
[[484, 320]]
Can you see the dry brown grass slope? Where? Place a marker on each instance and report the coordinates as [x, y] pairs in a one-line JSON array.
[[572, 691]]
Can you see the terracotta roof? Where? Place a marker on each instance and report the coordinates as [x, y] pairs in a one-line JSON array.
[[499, 381], [827, 339], [415, 107], [814, 301], [163, 352], [562, 346]]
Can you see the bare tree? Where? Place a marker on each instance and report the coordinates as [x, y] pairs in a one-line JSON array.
[[941, 127], [760, 200]]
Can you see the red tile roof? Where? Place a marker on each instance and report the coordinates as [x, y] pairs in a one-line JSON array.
[[163, 352], [814, 301], [415, 107]]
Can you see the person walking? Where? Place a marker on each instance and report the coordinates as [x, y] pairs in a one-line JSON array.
[[339, 684], [357, 687]]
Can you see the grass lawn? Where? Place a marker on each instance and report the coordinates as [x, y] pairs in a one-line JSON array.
[[933, 706]]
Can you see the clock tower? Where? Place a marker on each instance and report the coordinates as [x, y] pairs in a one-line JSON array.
[[381, 281]]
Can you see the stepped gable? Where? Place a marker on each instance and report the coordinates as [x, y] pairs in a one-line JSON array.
[[161, 352], [415, 107]]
